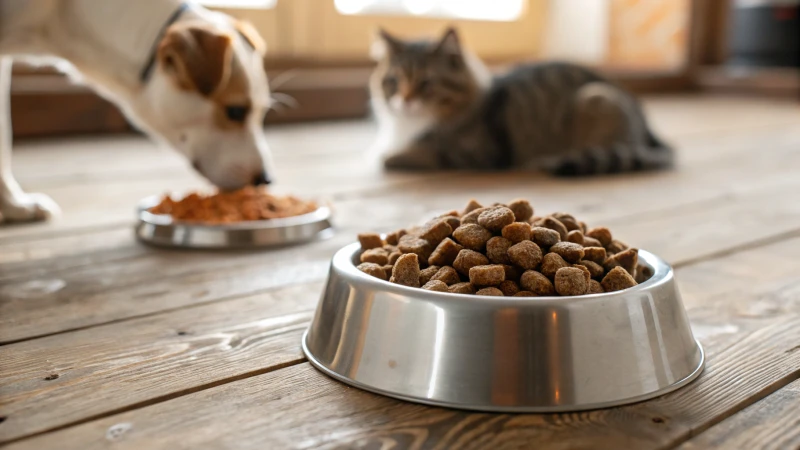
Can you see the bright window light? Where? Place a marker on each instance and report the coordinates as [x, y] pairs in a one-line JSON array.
[[490, 10], [260, 4]]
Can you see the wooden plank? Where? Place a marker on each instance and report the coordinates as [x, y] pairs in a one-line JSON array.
[[718, 294], [772, 423]]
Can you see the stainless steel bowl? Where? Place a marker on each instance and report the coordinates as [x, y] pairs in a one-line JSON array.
[[509, 354], [162, 230]]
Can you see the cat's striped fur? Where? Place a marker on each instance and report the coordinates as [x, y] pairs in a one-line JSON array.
[[558, 117]]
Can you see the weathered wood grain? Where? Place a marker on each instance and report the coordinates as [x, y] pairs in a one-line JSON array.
[[770, 424]]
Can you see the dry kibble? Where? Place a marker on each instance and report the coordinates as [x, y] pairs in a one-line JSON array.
[[594, 254], [537, 283], [388, 268], [490, 291], [627, 259], [568, 220], [472, 236], [497, 250], [522, 210], [375, 255], [472, 206], [545, 237], [602, 234], [427, 274], [413, 244], [524, 294], [373, 269], [595, 270], [435, 285], [512, 273], [617, 279], [571, 281], [390, 248], [575, 236], [595, 287], [495, 218], [454, 222], [551, 263], [472, 216], [406, 270], [526, 255], [392, 238], [586, 273], [370, 241], [445, 253], [462, 288], [554, 224], [643, 273], [393, 257], [509, 288], [491, 275], [616, 246], [570, 251], [584, 228], [435, 231], [517, 232], [468, 259], [447, 275]]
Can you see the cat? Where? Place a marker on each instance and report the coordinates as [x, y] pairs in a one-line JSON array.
[[438, 107]]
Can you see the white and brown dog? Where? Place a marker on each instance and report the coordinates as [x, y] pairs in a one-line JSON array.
[[189, 77]]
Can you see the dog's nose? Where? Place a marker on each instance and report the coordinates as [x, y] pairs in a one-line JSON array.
[[260, 179]]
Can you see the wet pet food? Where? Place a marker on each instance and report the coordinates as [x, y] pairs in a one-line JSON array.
[[246, 204], [503, 250]]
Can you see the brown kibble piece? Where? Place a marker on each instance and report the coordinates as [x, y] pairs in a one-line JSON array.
[[490, 291], [388, 268], [586, 273], [522, 210], [568, 220], [571, 281], [584, 227], [472, 206], [537, 283], [602, 234], [594, 254], [570, 251], [509, 288], [445, 253], [375, 255], [435, 285], [512, 273], [413, 244], [627, 259], [524, 294], [447, 275], [406, 270], [497, 250], [575, 236], [554, 224], [372, 269], [468, 259], [617, 279], [591, 242], [526, 255], [427, 274], [390, 248], [551, 263], [545, 237], [517, 232], [495, 218], [461, 288], [370, 241], [595, 270], [454, 222], [392, 238], [491, 275], [616, 246], [595, 287], [643, 273], [435, 230], [472, 236], [393, 257], [472, 216]]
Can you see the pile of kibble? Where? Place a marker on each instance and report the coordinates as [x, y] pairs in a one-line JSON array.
[[503, 250]]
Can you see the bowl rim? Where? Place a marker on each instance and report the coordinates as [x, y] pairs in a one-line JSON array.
[[342, 261]]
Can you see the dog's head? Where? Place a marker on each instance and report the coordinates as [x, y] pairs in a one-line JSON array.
[[207, 97]]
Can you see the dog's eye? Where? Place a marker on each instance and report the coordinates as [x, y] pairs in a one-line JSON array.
[[237, 113]]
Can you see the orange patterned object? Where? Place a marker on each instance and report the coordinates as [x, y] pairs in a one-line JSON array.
[[249, 203]]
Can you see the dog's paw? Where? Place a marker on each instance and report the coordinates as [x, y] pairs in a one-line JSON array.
[[28, 208]]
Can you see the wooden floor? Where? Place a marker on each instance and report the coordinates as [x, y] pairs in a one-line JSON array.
[[107, 343]]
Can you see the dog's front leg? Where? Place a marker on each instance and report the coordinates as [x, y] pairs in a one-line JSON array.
[[15, 205]]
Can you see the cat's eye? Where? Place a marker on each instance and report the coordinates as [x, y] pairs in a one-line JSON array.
[[237, 113]]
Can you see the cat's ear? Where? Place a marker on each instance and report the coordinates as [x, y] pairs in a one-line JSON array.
[[449, 44], [384, 44]]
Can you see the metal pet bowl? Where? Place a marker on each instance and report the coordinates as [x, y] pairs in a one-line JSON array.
[[505, 354]]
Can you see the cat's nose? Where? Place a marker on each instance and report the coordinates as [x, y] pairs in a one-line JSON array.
[[261, 179]]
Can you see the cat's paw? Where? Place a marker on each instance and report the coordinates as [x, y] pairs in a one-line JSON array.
[[28, 208]]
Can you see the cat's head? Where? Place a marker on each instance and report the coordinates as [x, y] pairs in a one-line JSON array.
[[435, 78]]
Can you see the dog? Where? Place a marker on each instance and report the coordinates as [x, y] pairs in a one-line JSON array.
[[188, 77]]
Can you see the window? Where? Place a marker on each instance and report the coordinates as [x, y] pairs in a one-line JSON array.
[[490, 10], [264, 4]]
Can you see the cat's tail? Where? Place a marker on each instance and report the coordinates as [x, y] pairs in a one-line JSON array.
[[652, 154]]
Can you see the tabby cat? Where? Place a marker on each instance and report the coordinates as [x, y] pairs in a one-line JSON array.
[[438, 108]]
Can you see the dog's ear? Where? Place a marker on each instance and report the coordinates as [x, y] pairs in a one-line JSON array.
[[198, 57], [251, 35]]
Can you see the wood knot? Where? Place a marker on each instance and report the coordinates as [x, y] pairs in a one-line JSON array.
[[51, 377]]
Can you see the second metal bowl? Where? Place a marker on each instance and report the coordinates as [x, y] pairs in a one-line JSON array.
[[510, 354]]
